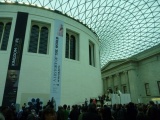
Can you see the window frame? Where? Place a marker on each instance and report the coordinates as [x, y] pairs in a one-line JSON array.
[[116, 89], [5, 21], [147, 89], [158, 83], [91, 53], [124, 87], [76, 35], [40, 25]]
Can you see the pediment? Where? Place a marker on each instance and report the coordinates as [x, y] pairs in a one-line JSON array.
[[112, 64]]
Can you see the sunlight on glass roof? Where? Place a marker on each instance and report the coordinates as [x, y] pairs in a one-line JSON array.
[[124, 27]]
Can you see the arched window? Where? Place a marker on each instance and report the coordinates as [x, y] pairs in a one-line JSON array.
[[33, 45], [71, 45], [43, 40], [39, 39], [4, 34]]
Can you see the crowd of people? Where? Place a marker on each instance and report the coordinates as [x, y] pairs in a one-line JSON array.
[[90, 111]]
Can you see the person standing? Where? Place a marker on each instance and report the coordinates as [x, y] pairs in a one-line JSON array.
[[66, 112], [152, 111], [49, 114], [92, 113]]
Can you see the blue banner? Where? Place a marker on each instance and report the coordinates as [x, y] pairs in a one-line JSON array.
[[55, 92]]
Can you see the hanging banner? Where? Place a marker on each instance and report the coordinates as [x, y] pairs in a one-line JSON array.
[[115, 99], [125, 98], [57, 63], [11, 85]]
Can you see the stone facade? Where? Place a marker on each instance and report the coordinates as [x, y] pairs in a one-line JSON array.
[[138, 75]]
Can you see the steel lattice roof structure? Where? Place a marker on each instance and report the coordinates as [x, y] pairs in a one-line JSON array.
[[124, 27]]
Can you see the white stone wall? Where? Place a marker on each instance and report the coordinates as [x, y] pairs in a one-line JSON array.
[[4, 55], [79, 79]]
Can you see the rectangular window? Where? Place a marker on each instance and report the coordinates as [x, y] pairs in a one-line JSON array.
[[158, 82], [5, 27], [147, 89], [116, 89], [71, 51], [124, 89], [110, 90], [39, 38], [91, 53]]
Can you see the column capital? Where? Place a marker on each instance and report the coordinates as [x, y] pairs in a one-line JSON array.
[[110, 77], [117, 74], [125, 72]]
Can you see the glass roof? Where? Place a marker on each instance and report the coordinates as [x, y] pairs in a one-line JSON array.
[[124, 27]]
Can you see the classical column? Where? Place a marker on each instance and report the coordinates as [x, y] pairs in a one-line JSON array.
[[119, 82], [134, 84], [111, 80], [127, 81], [104, 84]]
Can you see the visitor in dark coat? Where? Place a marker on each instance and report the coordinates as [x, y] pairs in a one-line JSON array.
[[60, 113], [74, 114], [141, 115], [120, 113], [152, 112], [92, 113], [131, 111], [106, 113]]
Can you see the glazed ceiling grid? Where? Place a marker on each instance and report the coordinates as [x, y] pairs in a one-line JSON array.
[[124, 27]]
